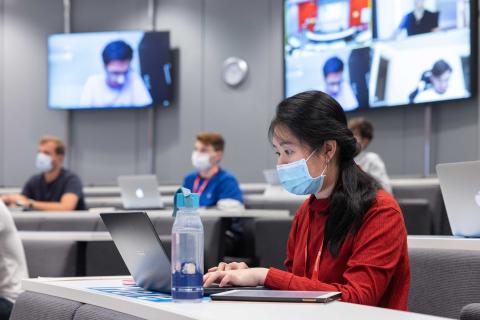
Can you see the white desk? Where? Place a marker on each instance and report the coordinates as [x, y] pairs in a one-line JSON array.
[[80, 236], [402, 182], [206, 213], [443, 242], [116, 201], [109, 191], [77, 289]]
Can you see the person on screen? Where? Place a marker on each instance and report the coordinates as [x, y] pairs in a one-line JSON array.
[[419, 21], [335, 85], [370, 162], [436, 84], [54, 188], [349, 235], [13, 265], [119, 85]]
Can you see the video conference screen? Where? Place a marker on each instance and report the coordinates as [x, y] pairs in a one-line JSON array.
[[379, 53], [128, 69]]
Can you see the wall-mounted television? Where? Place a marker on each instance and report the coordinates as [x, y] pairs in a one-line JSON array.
[[127, 69], [381, 53]]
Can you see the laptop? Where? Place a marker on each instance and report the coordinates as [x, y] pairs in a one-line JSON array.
[[460, 185], [143, 252], [271, 177], [140, 192], [277, 296]]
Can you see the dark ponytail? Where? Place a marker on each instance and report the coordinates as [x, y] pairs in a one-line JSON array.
[[314, 117]]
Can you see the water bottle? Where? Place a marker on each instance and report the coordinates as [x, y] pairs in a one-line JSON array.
[[187, 250]]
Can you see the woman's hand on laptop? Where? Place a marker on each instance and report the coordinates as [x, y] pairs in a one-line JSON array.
[[222, 266], [251, 277]]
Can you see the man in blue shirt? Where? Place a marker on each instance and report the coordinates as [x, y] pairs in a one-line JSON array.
[[216, 186]]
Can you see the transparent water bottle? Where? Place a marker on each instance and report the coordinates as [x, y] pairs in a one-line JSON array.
[[187, 250]]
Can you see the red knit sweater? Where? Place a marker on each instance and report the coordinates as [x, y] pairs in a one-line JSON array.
[[372, 266]]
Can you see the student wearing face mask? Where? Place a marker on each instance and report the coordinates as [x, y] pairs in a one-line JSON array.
[[54, 188], [216, 186], [349, 235]]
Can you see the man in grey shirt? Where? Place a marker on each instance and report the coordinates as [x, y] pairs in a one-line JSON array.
[[13, 265]]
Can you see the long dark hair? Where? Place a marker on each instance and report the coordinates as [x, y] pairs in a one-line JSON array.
[[314, 117]]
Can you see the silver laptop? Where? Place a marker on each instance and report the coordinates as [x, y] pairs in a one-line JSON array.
[[271, 177], [460, 185], [140, 192], [144, 253]]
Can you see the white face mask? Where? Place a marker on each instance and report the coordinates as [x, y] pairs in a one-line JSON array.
[[43, 162], [201, 161]]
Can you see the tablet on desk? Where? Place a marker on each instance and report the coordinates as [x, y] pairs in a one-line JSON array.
[[277, 296]]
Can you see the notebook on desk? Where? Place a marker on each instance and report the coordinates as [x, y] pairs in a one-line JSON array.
[[277, 296]]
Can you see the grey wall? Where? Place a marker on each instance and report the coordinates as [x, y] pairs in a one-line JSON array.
[[203, 33], [25, 25], [2, 94]]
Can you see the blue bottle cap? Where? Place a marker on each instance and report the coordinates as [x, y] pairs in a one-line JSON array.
[[188, 201]]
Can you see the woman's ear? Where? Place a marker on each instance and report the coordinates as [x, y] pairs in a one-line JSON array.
[[330, 148]]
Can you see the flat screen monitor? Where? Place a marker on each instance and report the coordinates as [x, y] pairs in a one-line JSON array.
[[381, 53], [127, 69]]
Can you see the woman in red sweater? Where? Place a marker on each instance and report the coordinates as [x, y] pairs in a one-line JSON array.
[[349, 236]]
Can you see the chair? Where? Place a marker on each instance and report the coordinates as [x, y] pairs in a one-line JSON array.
[[416, 215], [470, 312], [443, 281], [52, 258], [36, 306], [91, 312], [429, 190], [271, 236]]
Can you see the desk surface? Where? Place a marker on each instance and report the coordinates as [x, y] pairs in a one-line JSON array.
[[116, 201], [82, 236], [272, 198], [77, 289], [205, 213], [444, 242], [429, 242], [108, 191]]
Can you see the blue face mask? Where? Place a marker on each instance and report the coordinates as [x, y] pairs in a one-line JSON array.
[[43, 162], [296, 178]]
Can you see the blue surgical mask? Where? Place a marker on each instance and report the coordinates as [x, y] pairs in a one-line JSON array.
[[43, 162], [296, 178]]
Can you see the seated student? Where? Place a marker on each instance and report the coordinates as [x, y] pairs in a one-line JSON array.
[[13, 266], [349, 236], [216, 186], [370, 162], [55, 188]]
